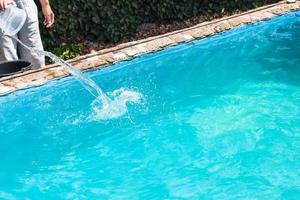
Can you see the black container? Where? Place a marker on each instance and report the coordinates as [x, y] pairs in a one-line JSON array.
[[8, 68]]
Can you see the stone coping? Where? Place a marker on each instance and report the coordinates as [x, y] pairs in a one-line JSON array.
[[133, 49]]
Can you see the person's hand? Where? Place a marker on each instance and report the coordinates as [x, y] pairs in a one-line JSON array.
[[5, 3], [48, 15]]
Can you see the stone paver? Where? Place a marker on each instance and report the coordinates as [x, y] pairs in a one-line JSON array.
[[277, 10], [90, 63], [196, 33], [222, 26], [108, 57], [179, 38], [208, 31], [131, 51], [6, 89], [268, 15], [142, 49], [120, 56], [255, 17], [57, 72]]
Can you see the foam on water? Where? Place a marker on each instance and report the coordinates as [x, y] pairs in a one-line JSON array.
[[116, 107]]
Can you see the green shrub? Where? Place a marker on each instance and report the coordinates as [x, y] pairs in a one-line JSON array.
[[67, 52], [112, 20]]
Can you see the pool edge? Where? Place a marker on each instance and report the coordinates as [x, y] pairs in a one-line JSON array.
[[131, 50]]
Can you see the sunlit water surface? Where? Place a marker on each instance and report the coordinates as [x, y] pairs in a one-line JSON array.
[[217, 119]]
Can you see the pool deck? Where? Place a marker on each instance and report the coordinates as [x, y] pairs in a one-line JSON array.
[[130, 50]]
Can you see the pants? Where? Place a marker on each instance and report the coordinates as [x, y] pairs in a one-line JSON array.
[[29, 35]]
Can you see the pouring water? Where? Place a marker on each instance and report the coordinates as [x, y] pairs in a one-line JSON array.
[[104, 107]]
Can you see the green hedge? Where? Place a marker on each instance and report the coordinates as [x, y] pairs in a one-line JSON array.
[[112, 20]]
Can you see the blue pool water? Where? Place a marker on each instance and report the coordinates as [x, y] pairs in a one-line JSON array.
[[219, 119]]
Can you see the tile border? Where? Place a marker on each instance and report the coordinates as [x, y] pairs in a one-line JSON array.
[[130, 50]]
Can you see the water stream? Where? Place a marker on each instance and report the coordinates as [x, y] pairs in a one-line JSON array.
[[104, 107]]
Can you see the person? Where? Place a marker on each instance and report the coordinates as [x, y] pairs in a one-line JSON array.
[[29, 34]]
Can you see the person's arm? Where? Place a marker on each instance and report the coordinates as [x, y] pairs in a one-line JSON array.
[[5, 3], [48, 13]]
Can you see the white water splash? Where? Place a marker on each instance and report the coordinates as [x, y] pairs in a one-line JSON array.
[[117, 106]]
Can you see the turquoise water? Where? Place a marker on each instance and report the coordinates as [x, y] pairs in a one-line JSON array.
[[219, 119]]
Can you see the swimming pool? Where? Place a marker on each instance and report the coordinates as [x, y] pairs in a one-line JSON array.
[[219, 119]]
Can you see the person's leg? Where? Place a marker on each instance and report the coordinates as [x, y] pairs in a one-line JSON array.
[[8, 49], [30, 36]]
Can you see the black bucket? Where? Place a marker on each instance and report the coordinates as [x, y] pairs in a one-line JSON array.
[[8, 68]]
